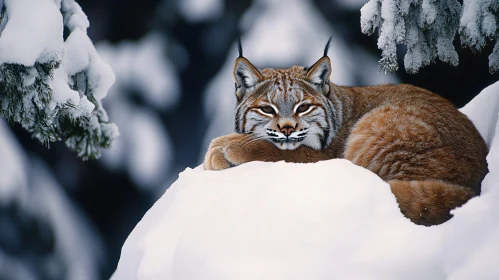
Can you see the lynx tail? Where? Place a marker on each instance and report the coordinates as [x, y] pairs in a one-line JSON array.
[[429, 202]]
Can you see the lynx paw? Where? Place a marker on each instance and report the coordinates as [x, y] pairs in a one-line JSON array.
[[227, 151]]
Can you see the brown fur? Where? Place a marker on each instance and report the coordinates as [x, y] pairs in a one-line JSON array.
[[431, 154]]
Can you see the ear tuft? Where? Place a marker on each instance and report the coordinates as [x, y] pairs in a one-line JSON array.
[[246, 76], [239, 47], [319, 74], [326, 49]]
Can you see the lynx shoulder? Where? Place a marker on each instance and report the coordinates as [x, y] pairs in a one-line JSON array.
[[430, 154]]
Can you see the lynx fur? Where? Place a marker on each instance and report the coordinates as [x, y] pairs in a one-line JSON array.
[[429, 153]]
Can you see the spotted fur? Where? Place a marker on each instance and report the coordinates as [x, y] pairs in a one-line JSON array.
[[431, 154]]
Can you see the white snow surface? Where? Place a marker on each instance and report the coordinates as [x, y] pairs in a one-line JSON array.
[[77, 58], [327, 220], [484, 107], [33, 32]]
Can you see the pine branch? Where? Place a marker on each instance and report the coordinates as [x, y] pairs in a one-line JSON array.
[[428, 29], [55, 105]]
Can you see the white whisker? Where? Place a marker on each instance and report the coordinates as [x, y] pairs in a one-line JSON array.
[[252, 140]]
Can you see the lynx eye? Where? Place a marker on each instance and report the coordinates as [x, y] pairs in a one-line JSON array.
[[267, 110], [302, 108]]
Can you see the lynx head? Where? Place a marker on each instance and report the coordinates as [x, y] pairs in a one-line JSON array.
[[287, 106]]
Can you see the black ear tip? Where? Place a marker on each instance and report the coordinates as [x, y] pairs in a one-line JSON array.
[[326, 49], [239, 47]]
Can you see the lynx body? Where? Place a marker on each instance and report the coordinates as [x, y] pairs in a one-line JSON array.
[[430, 154]]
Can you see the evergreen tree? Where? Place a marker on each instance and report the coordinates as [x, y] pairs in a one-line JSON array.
[[52, 84], [428, 29], [43, 234]]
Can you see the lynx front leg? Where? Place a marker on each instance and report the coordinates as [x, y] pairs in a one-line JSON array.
[[235, 149]]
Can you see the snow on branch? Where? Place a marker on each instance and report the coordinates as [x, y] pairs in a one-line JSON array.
[[428, 29], [479, 24], [51, 77]]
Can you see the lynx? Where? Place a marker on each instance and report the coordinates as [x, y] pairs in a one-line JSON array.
[[429, 153]]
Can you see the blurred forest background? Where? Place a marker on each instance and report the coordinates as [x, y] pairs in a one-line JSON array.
[[174, 93]]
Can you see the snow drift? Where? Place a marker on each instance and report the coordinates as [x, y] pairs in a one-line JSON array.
[[327, 220]]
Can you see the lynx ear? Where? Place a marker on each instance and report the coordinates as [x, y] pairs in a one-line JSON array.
[[319, 74], [246, 76]]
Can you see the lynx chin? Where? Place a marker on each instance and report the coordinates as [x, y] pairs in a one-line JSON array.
[[429, 153]]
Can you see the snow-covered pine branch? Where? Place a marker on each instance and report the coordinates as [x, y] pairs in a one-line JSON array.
[[428, 29], [51, 78], [479, 23]]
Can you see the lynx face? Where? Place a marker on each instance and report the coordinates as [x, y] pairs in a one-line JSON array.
[[289, 107]]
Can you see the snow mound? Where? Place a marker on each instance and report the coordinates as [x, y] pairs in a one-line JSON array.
[[235, 225], [327, 220]]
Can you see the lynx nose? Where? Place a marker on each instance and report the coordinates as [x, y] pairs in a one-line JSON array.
[[287, 130]]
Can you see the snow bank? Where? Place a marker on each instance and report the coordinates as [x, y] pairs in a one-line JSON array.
[[328, 220], [275, 227], [482, 111]]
